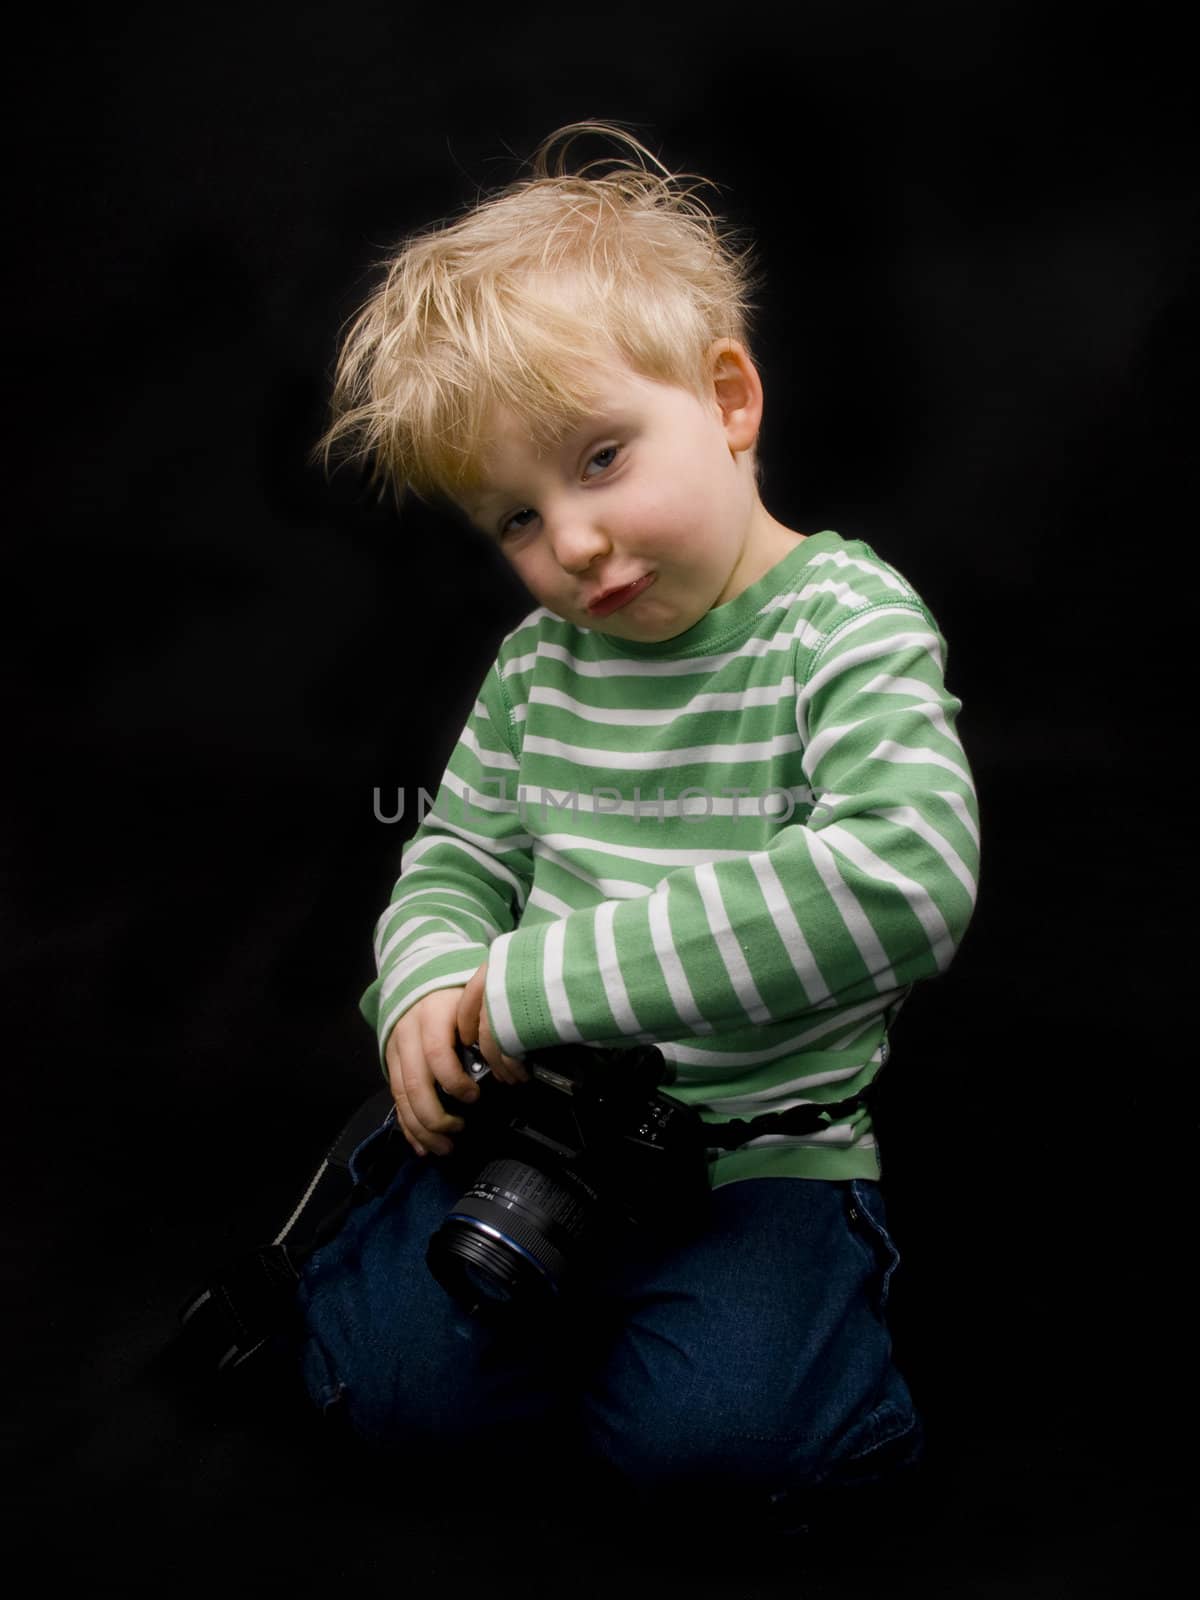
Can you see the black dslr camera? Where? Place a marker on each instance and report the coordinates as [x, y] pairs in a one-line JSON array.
[[588, 1144]]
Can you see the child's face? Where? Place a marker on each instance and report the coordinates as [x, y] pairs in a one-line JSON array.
[[642, 520]]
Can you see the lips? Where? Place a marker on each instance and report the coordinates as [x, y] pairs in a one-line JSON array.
[[613, 599]]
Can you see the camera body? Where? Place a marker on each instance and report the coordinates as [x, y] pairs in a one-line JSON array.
[[589, 1144]]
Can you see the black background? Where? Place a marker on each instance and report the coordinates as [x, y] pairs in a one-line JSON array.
[[975, 224]]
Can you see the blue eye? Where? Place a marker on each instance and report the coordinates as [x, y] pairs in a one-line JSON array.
[[603, 458]]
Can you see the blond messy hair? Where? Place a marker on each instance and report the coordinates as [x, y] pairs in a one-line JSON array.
[[519, 304]]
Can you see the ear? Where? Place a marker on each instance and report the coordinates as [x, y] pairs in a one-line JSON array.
[[737, 389]]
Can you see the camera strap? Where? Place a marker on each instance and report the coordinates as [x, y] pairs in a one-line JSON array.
[[793, 1123], [250, 1298]]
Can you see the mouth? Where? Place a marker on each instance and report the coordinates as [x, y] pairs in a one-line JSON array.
[[613, 599]]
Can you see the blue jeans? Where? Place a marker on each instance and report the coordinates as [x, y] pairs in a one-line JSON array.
[[752, 1359]]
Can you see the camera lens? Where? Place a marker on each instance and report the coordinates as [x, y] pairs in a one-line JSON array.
[[486, 1285], [508, 1241]]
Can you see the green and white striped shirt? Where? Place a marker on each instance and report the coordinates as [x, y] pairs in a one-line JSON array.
[[743, 844]]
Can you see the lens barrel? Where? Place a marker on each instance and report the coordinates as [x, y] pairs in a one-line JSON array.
[[509, 1240]]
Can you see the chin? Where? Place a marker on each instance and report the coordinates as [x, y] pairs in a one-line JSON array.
[[647, 633]]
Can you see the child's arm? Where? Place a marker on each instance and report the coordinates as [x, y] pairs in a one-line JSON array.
[[872, 892], [465, 877]]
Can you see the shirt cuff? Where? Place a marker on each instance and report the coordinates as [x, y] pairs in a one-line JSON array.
[[516, 1006]]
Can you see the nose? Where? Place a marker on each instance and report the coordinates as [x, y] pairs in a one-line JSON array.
[[577, 541]]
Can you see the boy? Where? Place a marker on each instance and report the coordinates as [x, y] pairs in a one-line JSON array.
[[710, 797]]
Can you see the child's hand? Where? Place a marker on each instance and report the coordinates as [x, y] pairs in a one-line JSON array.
[[421, 1054], [475, 1028]]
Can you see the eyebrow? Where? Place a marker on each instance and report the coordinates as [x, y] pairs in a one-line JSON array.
[[475, 507]]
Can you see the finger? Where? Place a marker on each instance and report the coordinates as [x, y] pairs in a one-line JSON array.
[[425, 1109], [420, 1138], [448, 1070], [418, 1109], [467, 1018], [429, 1033], [508, 1069], [418, 1042], [421, 1056], [417, 1148]]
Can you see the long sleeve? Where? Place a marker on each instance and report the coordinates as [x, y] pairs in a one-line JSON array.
[[845, 906], [465, 874]]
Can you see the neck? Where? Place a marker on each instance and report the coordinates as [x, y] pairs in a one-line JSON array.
[[767, 542]]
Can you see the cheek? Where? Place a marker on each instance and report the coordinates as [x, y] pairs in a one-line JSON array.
[[670, 517], [535, 570]]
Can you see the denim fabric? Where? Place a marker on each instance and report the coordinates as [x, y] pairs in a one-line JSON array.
[[754, 1354]]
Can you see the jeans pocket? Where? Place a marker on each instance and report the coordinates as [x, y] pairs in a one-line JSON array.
[[376, 1156], [867, 1218]]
